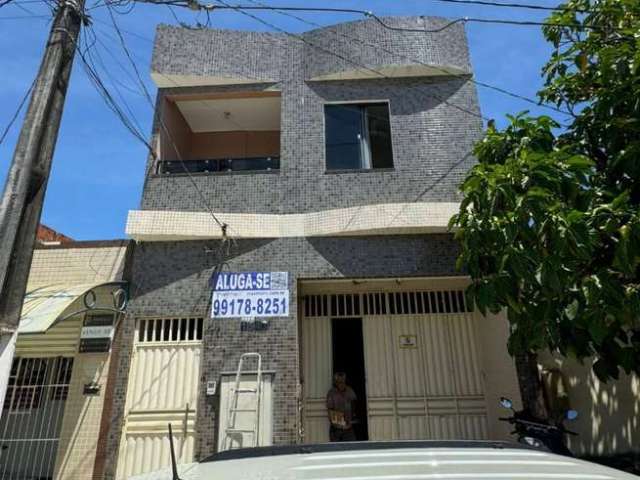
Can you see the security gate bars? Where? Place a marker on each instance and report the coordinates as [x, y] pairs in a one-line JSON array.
[[32, 417]]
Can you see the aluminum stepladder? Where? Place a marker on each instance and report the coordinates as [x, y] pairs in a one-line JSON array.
[[233, 403]]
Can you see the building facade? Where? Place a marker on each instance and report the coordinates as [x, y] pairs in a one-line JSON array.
[[334, 157], [56, 412]]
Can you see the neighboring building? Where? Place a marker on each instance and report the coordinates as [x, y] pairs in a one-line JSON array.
[[335, 159], [55, 415], [48, 236]]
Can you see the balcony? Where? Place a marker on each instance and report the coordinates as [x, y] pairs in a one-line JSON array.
[[254, 164], [220, 133]]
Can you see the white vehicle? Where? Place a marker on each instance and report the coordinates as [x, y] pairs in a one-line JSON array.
[[398, 460]]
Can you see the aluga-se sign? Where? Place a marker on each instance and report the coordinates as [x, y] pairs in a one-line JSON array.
[[250, 294]]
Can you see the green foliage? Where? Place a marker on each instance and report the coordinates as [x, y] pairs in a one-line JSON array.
[[550, 222]]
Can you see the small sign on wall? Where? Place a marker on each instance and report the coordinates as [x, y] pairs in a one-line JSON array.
[[97, 334], [408, 341]]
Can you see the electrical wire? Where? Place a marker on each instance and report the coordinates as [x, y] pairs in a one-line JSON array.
[[123, 44], [24, 17], [17, 112], [464, 157], [24, 9], [133, 34], [527, 6], [122, 67], [24, 2], [351, 61], [103, 91], [415, 60], [194, 5], [94, 52]]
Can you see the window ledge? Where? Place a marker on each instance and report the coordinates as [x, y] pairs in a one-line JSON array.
[[206, 174], [359, 170]]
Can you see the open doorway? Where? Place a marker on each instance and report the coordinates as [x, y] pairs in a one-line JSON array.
[[348, 356]]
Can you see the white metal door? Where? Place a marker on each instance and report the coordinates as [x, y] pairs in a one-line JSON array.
[[421, 361], [423, 380], [163, 389], [317, 365], [245, 420]]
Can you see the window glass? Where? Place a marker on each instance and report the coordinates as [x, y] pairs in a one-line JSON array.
[[358, 136], [343, 136]]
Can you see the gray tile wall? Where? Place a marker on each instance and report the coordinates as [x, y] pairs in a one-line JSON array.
[[434, 121], [432, 132], [172, 278]]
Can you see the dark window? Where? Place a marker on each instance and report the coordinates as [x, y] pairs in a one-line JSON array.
[[358, 136], [33, 380]]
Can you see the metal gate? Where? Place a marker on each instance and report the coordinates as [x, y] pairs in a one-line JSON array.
[[163, 389], [423, 378], [32, 417]]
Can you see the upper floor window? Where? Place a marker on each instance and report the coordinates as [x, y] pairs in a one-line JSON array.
[[358, 136]]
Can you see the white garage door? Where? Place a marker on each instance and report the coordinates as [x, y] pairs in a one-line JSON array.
[[423, 379], [163, 389]]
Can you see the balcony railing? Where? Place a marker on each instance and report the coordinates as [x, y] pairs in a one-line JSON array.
[[253, 164]]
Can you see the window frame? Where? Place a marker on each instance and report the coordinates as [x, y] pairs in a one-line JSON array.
[[334, 171]]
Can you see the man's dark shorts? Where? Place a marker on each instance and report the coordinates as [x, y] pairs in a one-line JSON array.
[[341, 435]]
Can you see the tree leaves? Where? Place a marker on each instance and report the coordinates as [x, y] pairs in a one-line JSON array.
[[549, 225]]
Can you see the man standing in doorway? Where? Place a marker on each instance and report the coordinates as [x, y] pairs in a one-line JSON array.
[[340, 409]]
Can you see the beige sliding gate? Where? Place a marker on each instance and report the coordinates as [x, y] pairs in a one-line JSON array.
[[163, 388], [423, 379]]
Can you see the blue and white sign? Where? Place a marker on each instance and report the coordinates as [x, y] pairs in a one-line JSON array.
[[250, 294]]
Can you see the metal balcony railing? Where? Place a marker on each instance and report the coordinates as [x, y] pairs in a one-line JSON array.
[[252, 164]]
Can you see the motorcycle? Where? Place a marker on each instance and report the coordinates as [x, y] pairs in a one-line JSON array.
[[537, 433]]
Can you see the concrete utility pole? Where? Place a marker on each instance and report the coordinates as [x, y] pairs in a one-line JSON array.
[[26, 184]]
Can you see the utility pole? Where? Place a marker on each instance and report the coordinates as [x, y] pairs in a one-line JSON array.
[[26, 184]]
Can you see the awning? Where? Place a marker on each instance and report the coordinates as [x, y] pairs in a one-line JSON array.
[[43, 306]]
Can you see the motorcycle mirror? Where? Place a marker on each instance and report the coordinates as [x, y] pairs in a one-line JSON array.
[[506, 403], [571, 415]]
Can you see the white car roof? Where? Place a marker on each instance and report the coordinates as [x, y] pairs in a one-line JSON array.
[[401, 461]]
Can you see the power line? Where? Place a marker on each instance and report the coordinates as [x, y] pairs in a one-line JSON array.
[[406, 57], [23, 2], [434, 184], [129, 32], [164, 76], [17, 112], [195, 5], [24, 17], [348, 60], [114, 82], [515, 5], [220, 224]]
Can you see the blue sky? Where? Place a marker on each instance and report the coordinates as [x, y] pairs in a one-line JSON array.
[[98, 167]]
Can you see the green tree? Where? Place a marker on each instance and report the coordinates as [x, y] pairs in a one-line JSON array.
[[550, 225]]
